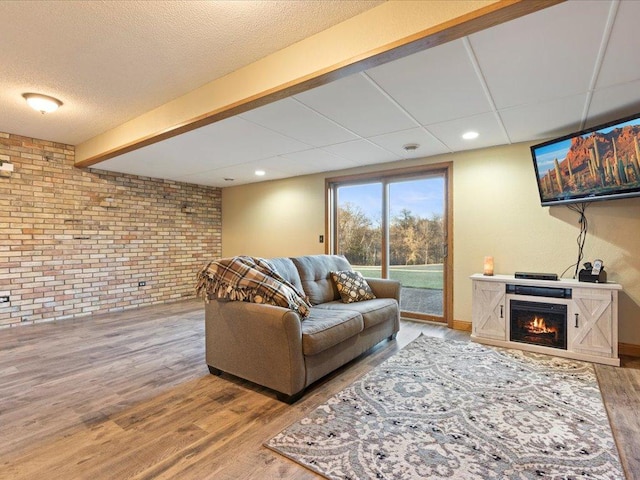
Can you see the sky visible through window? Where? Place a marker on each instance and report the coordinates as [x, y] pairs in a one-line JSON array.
[[423, 198]]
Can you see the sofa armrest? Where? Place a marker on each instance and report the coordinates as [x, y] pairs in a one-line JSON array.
[[260, 343], [385, 288]]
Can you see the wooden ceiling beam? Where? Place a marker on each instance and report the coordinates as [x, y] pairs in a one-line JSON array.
[[388, 32]]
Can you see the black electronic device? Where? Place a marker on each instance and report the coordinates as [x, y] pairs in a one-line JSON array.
[[593, 273], [536, 276], [535, 291]]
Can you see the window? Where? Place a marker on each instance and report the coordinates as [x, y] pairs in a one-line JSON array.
[[396, 225]]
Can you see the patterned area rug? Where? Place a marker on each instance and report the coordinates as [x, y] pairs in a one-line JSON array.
[[445, 409]]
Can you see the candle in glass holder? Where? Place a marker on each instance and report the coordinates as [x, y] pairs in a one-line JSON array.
[[488, 266]]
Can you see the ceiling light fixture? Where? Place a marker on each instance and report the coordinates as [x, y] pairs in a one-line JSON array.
[[260, 173], [42, 103], [470, 135]]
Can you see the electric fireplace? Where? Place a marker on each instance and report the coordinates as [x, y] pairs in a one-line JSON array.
[[561, 317], [539, 323]]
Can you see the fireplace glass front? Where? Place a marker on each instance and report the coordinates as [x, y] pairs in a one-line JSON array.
[[539, 323]]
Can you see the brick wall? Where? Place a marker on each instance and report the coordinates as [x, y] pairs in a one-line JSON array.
[[78, 241]]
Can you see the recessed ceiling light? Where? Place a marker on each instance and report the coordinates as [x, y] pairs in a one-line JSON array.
[[260, 173], [470, 135], [42, 103]]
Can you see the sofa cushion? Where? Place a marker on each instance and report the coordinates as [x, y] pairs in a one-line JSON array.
[[287, 270], [352, 286], [373, 312], [315, 275], [323, 329]]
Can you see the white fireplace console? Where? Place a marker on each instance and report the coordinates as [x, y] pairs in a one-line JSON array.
[[591, 320]]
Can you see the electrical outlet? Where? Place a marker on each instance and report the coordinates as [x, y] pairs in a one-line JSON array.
[[4, 299], [142, 284]]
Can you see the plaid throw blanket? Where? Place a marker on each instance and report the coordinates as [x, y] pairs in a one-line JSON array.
[[249, 279]]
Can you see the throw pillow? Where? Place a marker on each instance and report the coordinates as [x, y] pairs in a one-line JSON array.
[[352, 286]]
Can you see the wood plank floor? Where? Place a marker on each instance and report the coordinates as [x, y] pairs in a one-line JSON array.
[[128, 396]]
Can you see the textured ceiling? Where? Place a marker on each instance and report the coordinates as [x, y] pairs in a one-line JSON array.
[[550, 73], [110, 61]]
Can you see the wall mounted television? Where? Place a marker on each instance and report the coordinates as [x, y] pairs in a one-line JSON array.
[[600, 163]]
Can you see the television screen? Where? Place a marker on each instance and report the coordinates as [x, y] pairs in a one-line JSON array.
[[595, 164]]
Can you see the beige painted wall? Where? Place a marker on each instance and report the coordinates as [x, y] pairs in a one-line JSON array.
[[270, 219], [496, 212]]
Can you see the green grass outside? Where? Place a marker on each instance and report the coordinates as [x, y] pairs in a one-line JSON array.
[[417, 276]]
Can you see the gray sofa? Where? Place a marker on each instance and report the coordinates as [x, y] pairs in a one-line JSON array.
[[272, 346]]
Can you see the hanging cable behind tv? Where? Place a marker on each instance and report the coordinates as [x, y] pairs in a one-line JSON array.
[[579, 208]]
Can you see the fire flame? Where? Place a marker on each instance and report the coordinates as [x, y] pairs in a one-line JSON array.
[[538, 325]]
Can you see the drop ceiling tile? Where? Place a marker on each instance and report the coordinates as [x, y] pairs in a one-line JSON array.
[[612, 103], [312, 161], [620, 64], [362, 152], [230, 141], [435, 85], [295, 120], [544, 120], [394, 142], [241, 174], [137, 162], [486, 124], [545, 55], [158, 160], [356, 104], [547, 58], [235, 139]]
